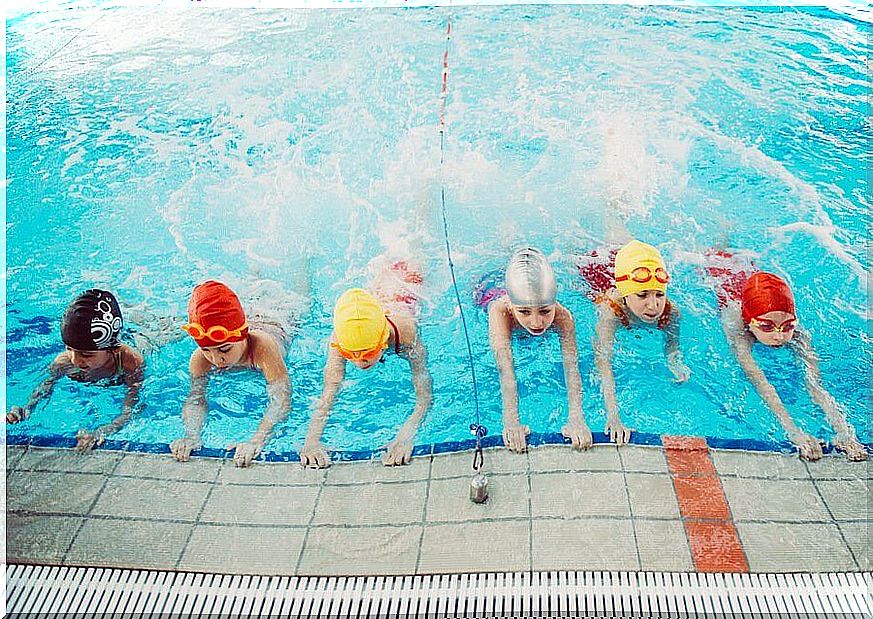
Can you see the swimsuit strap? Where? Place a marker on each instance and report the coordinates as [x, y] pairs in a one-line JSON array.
[[615, 307], [251, 351], [396, 335], [664, 320], [119, 363]]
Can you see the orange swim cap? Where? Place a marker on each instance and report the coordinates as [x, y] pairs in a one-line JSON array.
[[213, 304], [765, 292]]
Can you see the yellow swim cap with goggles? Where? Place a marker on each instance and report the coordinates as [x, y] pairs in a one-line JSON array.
[[639, 267], [359, 324]]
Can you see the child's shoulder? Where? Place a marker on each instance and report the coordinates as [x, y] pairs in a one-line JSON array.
[[131, 359]]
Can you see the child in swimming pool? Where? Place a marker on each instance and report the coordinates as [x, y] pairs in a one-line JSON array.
[[633, 295], [90, 330], [226, 341], [758, 307], [367, 325], [529, 302]]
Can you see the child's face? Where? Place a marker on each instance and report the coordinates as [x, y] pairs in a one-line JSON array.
[[647, 305], [773, 328], [90, 360], [225, 355], [535, 319]]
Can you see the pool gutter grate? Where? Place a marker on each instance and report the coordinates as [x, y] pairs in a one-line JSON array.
[[48, 591]]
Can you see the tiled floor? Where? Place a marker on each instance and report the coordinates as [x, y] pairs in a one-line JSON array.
[[550, 509]]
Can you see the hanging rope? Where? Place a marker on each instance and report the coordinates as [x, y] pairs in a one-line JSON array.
[[478, 430]]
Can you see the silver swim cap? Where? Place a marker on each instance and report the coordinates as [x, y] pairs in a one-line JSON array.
[[530, 280]]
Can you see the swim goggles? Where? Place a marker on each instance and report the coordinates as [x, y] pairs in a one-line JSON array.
[[370, 355], [768, 326], [641, 275], [216, 334]]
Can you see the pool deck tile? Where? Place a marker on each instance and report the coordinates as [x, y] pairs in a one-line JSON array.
[[109, 542], [569, 495], [264, 505], [565, 458], [638, 459], [243, 550], [163, 466], [715, 547], [773, 547], [270, 474], [68, 461], [783, 500], [588, 544], [153, 499], [448, 501], [372, 471], [352, 551], [662, 546], [835, 466], [701, 497], [858, 536], [40, 539], [847, 499], [13, 455], [751, 464], [623, 512], [496, 461], [59, 493], [476, 547], [652, 496], [371, 504]]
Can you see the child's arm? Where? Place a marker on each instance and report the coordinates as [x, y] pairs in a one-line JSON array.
[[133, 378], [194, 409], [268, 357], [400, 449], [603, 345], [576, 429], [313, 452], [499, 332], [845, 438], [57, 368], [741, 346], [680, 371]]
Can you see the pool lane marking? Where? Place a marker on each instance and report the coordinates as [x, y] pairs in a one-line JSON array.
[[712, 536]]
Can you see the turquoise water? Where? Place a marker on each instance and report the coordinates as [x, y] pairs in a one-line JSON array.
[[148, 149]]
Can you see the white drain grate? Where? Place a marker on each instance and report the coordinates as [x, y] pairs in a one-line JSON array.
[[44, 591]]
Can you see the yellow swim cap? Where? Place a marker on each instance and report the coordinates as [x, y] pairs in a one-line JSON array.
[[652, 274], [359, 321]]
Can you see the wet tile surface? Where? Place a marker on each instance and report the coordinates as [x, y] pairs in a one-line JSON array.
[[774, 547], [368, 550], [243, 550], [578, 494], [789, 500], [62, 461], [589, 544], [147, 498], [388, 504], [122, 543], [273, 505], [71, 493], [478, 547], [449, 499], [148, 511], [565, 458], [40, 539]]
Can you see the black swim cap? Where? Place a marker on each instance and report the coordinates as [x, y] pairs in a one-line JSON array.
[[92, 322]]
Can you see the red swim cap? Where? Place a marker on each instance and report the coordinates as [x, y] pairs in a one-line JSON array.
[[214, 304], [765, 292]]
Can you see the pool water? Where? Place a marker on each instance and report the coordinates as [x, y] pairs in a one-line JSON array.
[[149, 149]]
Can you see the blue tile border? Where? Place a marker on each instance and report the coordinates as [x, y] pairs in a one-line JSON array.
[[536, 438]]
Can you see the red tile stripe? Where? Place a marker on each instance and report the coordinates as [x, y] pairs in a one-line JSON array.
[[712, 536]]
